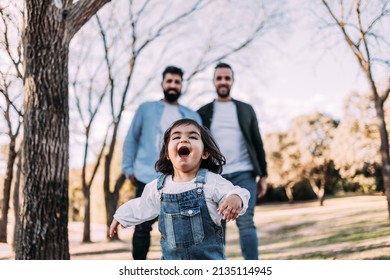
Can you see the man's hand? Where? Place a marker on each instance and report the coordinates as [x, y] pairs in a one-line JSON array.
[[132, 180], [262, 187]]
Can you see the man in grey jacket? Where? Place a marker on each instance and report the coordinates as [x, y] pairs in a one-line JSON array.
[[235, 128], [143, 142]]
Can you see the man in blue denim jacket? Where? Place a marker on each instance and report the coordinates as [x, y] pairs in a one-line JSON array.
[[143, 143]]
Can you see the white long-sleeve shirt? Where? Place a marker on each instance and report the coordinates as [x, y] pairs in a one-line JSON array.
[[147, 207]]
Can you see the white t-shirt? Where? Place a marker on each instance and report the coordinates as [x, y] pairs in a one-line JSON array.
[[227, 133], [147, 207], [169, 116]]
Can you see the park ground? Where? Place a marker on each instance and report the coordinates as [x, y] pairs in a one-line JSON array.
[[354, 228]]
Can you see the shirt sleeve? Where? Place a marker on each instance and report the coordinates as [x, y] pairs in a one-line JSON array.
[[131, 143], [225, 188], [141, 209]]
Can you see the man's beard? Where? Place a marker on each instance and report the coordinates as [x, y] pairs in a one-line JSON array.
[[223, 94], [171, 97]]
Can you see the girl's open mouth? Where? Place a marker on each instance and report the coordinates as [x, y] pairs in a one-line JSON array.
[[183, 151]]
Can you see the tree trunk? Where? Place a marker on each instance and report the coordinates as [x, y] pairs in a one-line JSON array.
[[384, 151], [321, 195], [87, 215], [7, 190], [319, 191], [16, 198], [43, 232], [111, 199], [289, 192]]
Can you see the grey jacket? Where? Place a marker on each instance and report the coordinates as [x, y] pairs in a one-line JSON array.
[[250, 130]]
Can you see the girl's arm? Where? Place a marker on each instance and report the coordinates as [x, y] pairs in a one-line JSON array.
[[230, 198], [114, 228], [141, 209]]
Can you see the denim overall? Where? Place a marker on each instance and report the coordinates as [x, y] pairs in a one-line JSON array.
[[187, 230]]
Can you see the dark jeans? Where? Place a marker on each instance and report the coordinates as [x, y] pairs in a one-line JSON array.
[[141, 236]]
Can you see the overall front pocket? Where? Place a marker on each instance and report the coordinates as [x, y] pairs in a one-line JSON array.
[[185, 228]]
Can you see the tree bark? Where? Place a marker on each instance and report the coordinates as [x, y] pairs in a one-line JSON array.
[[43, 232], [111, 200]]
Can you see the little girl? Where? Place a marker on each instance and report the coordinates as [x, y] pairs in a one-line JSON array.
[[189, 197]]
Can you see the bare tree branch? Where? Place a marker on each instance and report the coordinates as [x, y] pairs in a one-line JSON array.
[[12, 103], [341, 24], [81, 12], [384, 12], [162, 28], [108, 63], [16, 62]]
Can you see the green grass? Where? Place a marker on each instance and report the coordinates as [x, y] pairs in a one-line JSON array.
[[344, 228], [350, 235]]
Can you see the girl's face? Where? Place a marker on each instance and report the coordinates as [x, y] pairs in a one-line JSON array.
[[186, 149]]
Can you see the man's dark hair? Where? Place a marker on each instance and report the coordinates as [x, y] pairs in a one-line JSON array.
[[173, 70], [224, 65]]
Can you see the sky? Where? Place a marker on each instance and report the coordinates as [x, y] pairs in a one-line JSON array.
[[292, 76], [306, 78], [296, 74]]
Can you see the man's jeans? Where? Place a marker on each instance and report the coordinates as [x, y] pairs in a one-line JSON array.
[[141, 237], [246, 226]]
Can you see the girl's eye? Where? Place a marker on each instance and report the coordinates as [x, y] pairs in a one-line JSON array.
[[194, 137]]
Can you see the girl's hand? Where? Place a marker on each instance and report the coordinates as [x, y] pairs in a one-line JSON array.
[[230, 207], [113, 227]]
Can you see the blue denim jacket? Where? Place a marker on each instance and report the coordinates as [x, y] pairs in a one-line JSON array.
[[143, 142]]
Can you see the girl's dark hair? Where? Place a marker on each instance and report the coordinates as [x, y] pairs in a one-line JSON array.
[[213, 163]]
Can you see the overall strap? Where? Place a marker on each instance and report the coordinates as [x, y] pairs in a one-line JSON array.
[[160, 181], [200, 180]]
